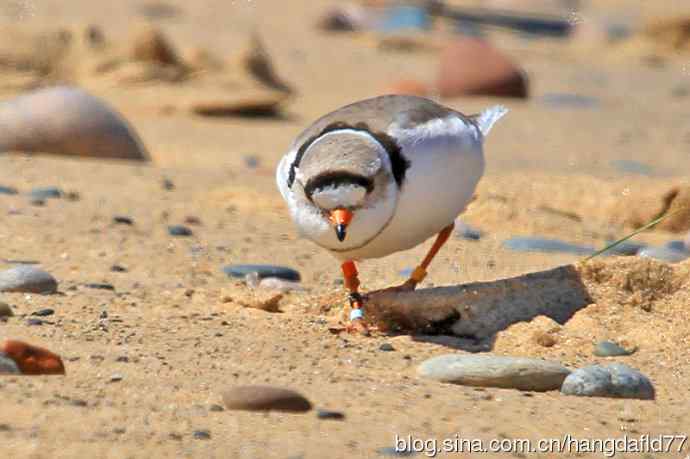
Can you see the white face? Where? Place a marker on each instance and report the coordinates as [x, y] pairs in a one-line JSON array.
[[345, 196]]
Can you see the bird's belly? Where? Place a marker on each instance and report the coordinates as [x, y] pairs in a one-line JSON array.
[[438, 186]]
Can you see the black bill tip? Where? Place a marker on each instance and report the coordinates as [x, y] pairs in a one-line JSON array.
[[340, 232]]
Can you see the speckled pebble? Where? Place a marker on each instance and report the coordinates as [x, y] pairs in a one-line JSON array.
[[611, 349], [263, 271], [615, 380], [265, 398], [27, 279]]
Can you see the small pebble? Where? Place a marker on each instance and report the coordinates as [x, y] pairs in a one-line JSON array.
[[252, 162], [37, 202], [328, 414], [179, 230], [465, 231], [392, 451], [263, 271], [122, 220], [27, 279], [615, 380], [386, 347], [100, 286], [43, 312], [8, 190], [5, 310], [168, 184], [265, 398], [117, 377], [566, 100], [538, 244], [216, 408], [627, 248], [611, 349], [46, 193], [118, 269], [8, 366], [201, 435], [34, 322], [192, 220], [663, 254], [632, 167]]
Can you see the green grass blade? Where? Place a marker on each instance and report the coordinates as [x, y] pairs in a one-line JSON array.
[[637, 231]]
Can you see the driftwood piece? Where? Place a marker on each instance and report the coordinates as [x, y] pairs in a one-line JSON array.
[[480, 309]]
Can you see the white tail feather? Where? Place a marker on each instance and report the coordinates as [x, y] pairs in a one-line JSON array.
[[486, 119]]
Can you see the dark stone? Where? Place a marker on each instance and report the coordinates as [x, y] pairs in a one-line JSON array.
[[43, 312], [118, 269], [386, 347], [168, 184], [538, 244], [201, 435], [328, 414], [465, 231], [122, 220], [46, 193], [100, 286], [5, 310], [8, 190], [265, 398], [34, 322], [179, 230], [263, 271], [392, 451]]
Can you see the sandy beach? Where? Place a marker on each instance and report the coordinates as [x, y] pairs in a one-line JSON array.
[[149, 355]]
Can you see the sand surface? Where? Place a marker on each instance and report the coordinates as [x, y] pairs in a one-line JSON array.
[[176, 318]]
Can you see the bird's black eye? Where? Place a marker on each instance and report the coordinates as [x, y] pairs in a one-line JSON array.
[[335, 179]]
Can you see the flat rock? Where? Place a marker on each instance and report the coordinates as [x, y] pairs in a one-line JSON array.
[[615, 380], [539, 244], [495, 371], [664, 254], [27, 279], [263, 271], [179, 230], [7, 366], [471, 66], [265, 398]]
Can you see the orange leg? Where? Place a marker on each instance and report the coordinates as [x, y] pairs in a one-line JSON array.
[[356, 301], [419, 273]]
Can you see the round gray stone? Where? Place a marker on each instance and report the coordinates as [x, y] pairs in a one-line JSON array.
[[495, 371], [281, 272], [7, 366], [27, 279], [615, 380], [265, 398]]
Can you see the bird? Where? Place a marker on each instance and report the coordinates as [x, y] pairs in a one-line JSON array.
[[383, 175]]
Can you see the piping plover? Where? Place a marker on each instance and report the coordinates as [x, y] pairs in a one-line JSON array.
[[383, 175]]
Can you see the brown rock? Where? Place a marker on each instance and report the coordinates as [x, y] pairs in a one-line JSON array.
[[265, 398], [408, 87], [149, 44], [258, 64], [671, 33], [33, 360], [471, 66], [68, 121]]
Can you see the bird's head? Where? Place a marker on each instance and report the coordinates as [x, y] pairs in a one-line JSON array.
[[347, 189]]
